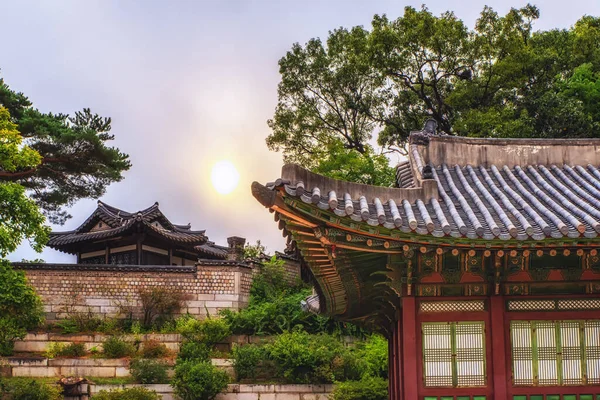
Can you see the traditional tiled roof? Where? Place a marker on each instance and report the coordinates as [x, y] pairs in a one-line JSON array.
[[478, 198], [119, 222], [404, 176], [495, 202], [212, 249]]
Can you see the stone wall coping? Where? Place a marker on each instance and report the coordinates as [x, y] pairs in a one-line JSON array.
[[231, 388], [106, 267], [88, 362]]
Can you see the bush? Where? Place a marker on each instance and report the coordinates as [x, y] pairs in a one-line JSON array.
[[159, 305], [198, 380], [283, 313], [149, 371], [246, 360], [368, 388], [303, 358], [65, 350], [20, 307], [209, 331], [373, 353], [10, 331], [28, 389], [194, 351], [136, 393], [154, 349], [116, 347]]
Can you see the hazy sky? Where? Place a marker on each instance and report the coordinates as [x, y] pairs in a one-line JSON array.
[[188, 83]]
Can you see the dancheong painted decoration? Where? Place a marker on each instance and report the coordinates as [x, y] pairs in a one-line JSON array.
[[481, 266]]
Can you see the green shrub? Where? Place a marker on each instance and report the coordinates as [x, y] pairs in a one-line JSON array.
[[246, 360], [110, 326], [149, 371], [159, 306], [67, 326], [373, 353], [209, 331], [368, 388], [20, 307], [303, 358], [116, 347], [198, 380], [194, 351], [28, 389], [10, 331], [154, 349], [136, 393], [56, 349], [270, 282]]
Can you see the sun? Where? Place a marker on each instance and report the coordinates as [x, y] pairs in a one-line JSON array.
[[224, 177]]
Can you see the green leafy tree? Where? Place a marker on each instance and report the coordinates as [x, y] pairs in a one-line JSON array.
[[499, 79], [327, 96], [20, 307], [74, 161]]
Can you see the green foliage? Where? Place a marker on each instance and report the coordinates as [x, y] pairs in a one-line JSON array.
[[21, 218], [327, 94], [194, 351], [9, 332], [270, 282], [149, 371], [67, 326], [373, 356], [247, 359], [209, 331], [20, 307], [351, 165], [28, 389], [57, 349], [274, 308], [254, 251], [368, 388], [116, 347], [302, 358], [74, 160], [500, 79], [154, 349], [298, 357], [136, 393], [198, 380], [159, 306]]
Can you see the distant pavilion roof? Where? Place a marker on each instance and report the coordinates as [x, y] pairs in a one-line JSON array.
[[117, 222]]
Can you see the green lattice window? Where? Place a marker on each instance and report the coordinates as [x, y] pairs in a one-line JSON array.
[[454, 354], [552, 353]]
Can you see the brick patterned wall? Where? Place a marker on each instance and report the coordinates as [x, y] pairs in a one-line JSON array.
[[114, 290]]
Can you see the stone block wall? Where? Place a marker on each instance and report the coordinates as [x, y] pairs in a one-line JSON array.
[[113, 290]]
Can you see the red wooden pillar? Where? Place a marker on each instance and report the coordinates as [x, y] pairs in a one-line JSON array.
[[398, 368], [498, 362], [409, 349], [392, 366], [395, 363]]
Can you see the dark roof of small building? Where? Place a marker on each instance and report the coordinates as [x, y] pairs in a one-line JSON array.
[[522, 189], [212, 249], [117, 222]]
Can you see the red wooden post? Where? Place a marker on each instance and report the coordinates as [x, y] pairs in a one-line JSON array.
[[392, 366], [398, 368], [410, 353], [498, 362]]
